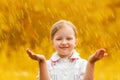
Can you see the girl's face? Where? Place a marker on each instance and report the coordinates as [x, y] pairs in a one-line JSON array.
[[64, 41]]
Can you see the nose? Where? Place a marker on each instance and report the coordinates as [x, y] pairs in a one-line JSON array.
[[64, 41]]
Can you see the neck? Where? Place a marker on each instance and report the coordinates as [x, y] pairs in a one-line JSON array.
[[66, 56]]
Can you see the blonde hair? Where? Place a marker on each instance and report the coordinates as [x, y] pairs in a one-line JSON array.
[[56, 26]]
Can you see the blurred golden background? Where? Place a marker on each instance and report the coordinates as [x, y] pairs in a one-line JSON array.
[[27, 23]]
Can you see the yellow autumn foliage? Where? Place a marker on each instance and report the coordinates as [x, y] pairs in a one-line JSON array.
[[27, 23]]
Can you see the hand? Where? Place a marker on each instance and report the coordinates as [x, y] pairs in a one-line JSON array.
[[99, 54], [34, 56]]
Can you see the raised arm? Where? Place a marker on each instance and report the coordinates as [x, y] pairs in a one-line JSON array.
[[99, 54], [44, 74]]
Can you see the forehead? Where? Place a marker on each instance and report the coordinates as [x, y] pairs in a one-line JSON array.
[[65, 30]]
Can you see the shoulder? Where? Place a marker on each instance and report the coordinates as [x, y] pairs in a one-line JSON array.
[[81, 61]]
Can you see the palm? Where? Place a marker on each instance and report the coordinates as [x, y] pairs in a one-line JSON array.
[[99, 54], [34, 56]]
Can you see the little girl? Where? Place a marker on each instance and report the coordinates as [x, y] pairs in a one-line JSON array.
[[65, 63]]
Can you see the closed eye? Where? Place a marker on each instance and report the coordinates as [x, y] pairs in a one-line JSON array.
[[69, 38], [58, 39]]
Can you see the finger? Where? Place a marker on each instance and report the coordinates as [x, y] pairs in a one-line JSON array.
[[99, 53], [33, 56], [101, 56], [29, 52], [102, 51], [105, 54]]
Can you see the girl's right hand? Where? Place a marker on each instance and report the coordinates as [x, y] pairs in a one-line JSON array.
[[32, 55]]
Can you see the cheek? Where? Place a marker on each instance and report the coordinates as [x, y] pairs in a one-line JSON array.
[[74, 43], [76, 40], [54, 43]]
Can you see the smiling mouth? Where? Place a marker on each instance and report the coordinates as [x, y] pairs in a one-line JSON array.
[[63, 47]]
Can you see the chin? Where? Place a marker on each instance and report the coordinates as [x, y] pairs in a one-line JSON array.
[[63, 54]]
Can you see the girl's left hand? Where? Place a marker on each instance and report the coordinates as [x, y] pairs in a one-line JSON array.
[[99, 54]]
